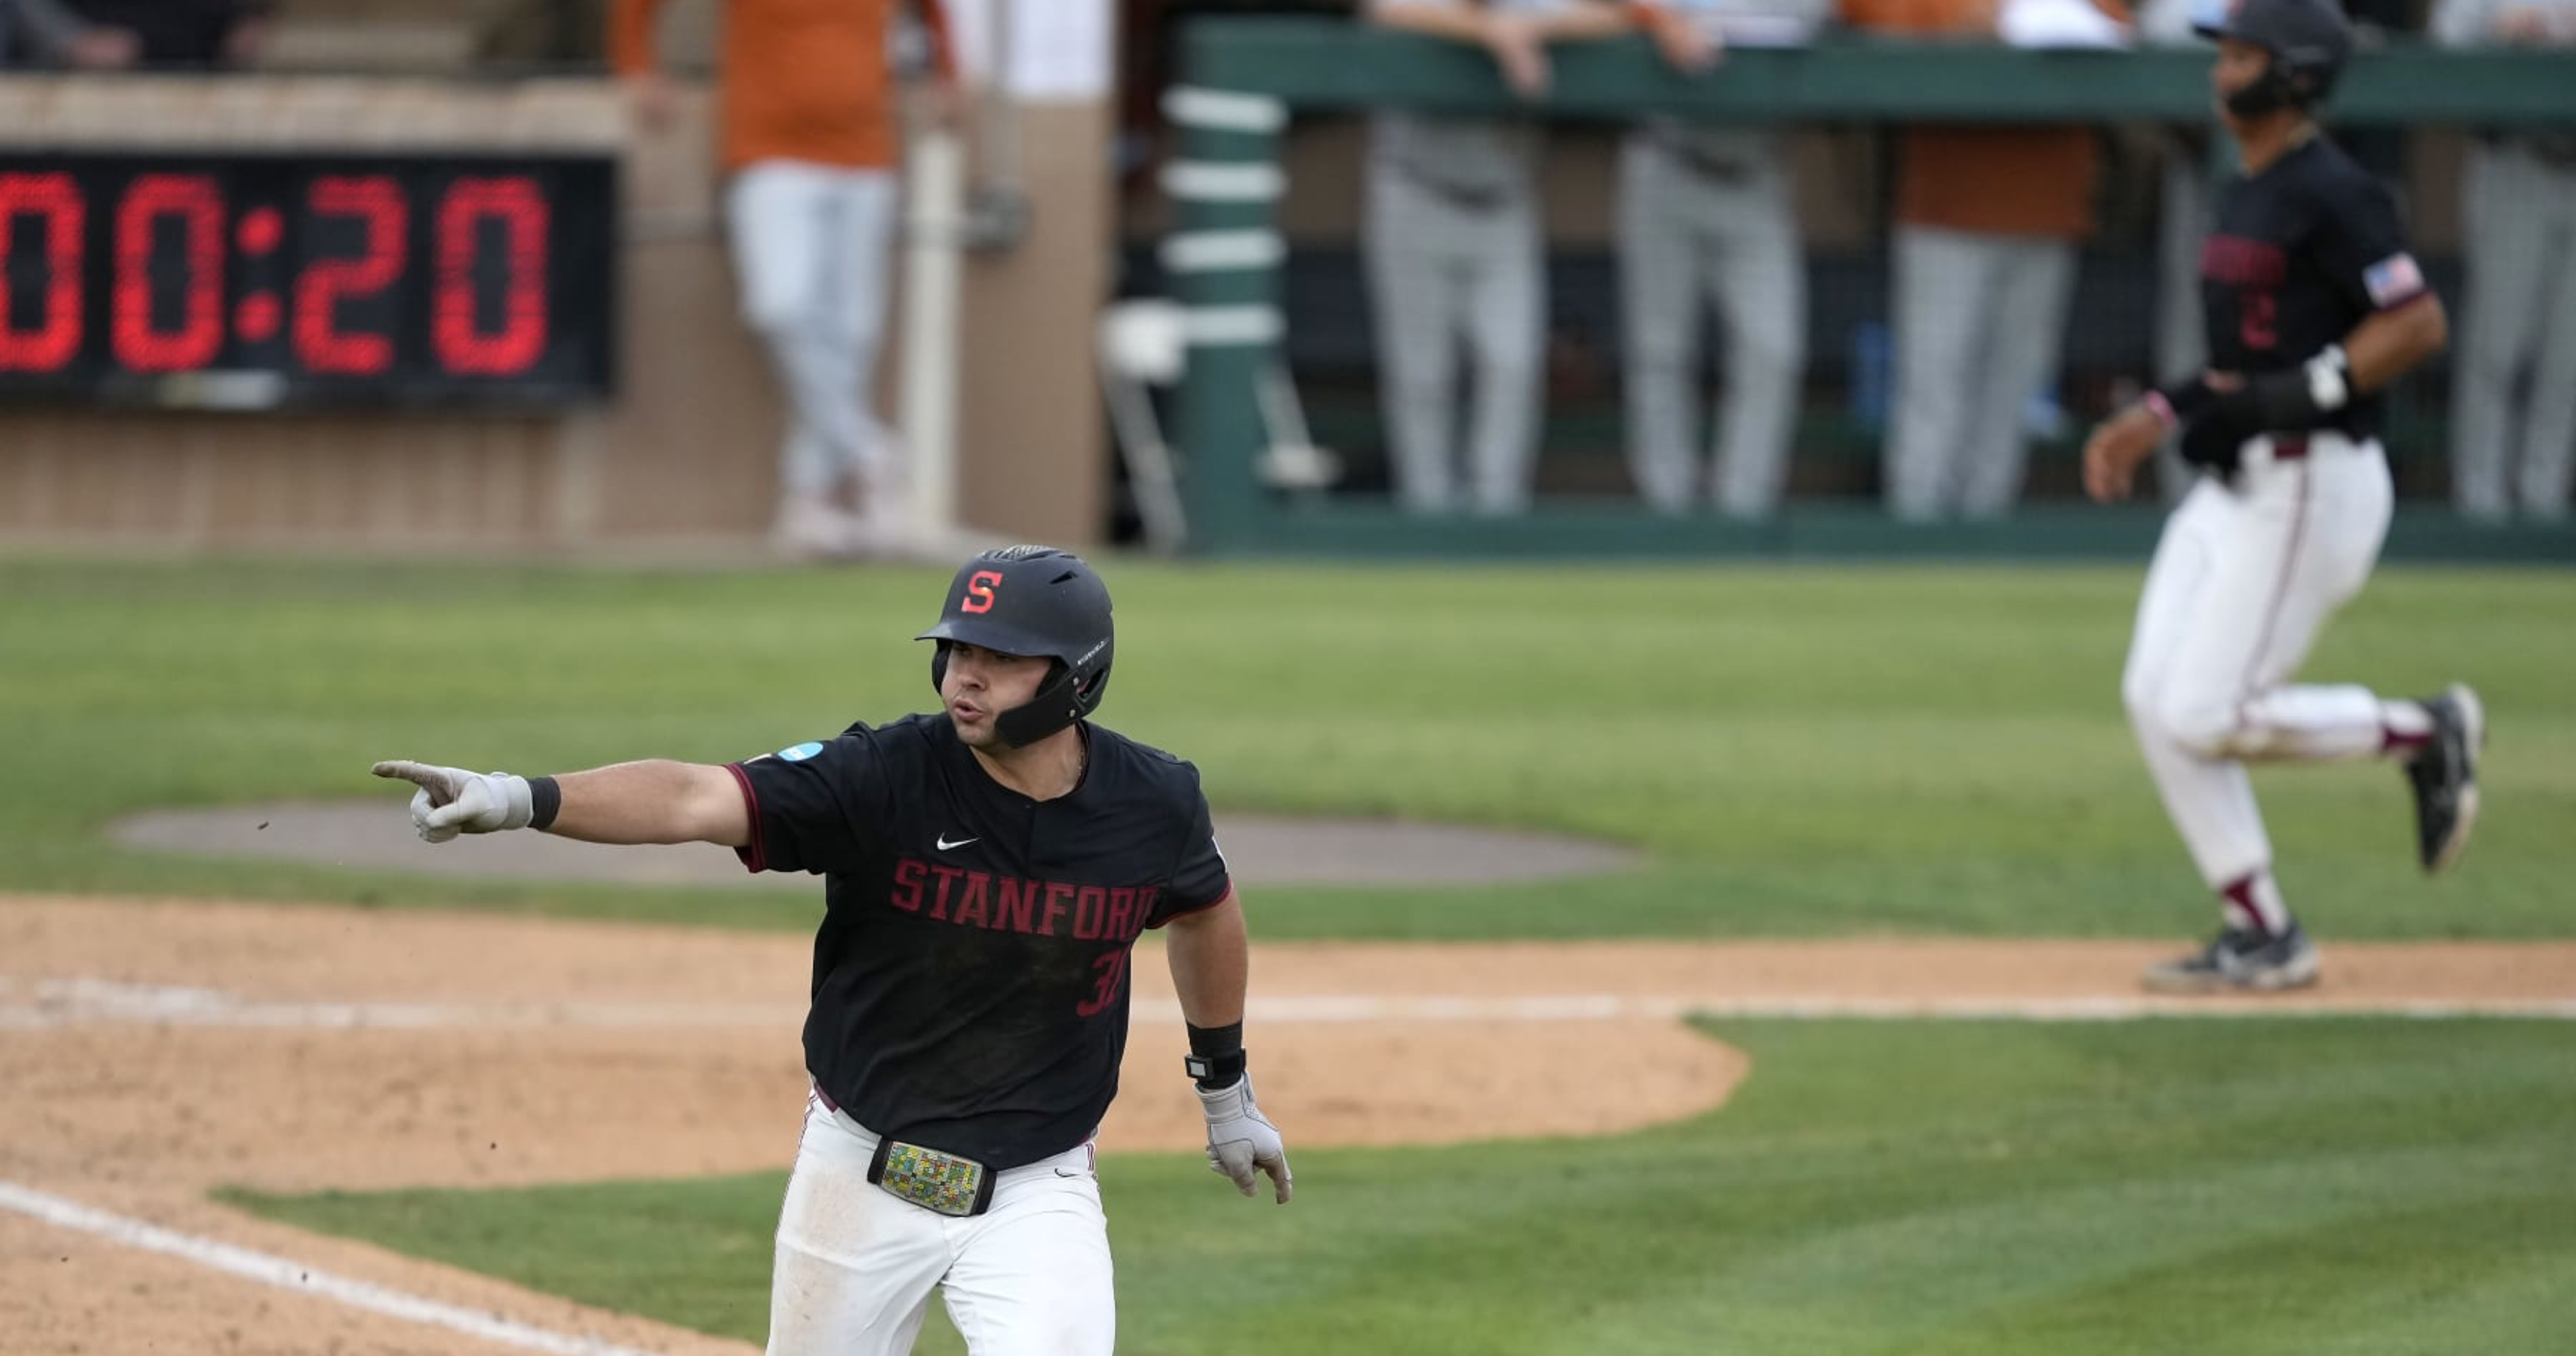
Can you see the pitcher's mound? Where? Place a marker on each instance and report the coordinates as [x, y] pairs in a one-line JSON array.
[[377, 835]]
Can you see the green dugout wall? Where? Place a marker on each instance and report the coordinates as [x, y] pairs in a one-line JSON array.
[[1243, 79]]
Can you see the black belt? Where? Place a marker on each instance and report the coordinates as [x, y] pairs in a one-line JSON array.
[[2555, 149], [936, 1180], [2285, 447], [1724, 169], [1464, 197]]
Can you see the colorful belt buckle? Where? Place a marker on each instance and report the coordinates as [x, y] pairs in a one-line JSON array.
[[946, 1183]]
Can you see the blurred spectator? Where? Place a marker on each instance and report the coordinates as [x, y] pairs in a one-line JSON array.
[[2182, 223], [1706, 214], [810, 143], [167, 34], [1454, 256], [25, 39], [48, 33], [2513, 393], [1988, 220]]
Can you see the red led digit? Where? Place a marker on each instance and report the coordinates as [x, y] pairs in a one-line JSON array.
[[256, 318], [461, 344], [319, 343], [48, 346], [200, 209]]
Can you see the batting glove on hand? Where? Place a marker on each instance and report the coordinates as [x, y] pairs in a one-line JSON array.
[[452, 800], [1242, 1143]]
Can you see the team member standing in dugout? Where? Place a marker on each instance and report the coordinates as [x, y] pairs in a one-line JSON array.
[[987, 871], [2313, 305], [811, 149]]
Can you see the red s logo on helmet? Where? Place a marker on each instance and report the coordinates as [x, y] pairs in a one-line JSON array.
[[979, 591]]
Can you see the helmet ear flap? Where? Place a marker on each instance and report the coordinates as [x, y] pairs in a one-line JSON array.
[[939, 668], [1055, 706]]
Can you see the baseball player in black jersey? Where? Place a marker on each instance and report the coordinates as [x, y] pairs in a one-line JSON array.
[[986, 874], [2313, 305]]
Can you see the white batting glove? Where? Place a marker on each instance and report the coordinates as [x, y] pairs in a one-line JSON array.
[[452, 800], [1242, 1143]]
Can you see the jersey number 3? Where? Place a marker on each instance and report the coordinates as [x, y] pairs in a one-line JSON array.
[[2255, 316], [1113, 972]]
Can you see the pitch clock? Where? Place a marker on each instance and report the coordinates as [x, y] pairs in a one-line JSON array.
[[261, 280]]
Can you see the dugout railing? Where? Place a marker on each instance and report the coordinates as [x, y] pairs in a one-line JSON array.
[[1242, 80]]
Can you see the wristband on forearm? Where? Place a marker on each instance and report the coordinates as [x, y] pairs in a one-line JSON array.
[[545, 799], [2181, 402], [2299, 397], [2290, 400], [1216, 1055]]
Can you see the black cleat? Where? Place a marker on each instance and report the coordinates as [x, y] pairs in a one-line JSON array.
[[2444, 773], [2240, 958]]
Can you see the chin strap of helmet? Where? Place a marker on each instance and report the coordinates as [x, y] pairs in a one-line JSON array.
[[1057, 703], [2276, 90], [1055, 706], [2270, 94]]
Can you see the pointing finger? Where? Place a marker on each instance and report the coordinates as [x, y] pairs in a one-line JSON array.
[[436, 780]]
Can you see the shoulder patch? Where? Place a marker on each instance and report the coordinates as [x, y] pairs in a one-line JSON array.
[[2392, 280], [800, 753]]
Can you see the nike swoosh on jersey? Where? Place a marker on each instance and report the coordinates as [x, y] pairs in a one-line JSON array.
[[945, 845]]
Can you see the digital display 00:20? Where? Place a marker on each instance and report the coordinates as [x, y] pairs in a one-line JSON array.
[[262, 280]]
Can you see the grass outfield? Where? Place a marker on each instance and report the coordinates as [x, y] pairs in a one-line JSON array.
[[1806, 751], [2285, 1186]]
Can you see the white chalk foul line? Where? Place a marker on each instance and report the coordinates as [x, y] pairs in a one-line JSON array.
[[1824, 1007], [57, 1003], [287, 1274], [54, 1003]]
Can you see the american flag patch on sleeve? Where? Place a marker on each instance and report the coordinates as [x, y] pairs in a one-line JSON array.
[[2392, 280]]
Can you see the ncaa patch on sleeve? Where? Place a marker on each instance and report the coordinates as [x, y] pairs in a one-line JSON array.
[[800, 753], [2392, 280]]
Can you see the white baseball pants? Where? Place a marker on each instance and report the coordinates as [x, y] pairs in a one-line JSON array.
[[810, 245], [2243, 580], [1686, 240], [2182, 347], [2513, 396], [856, 1265], [1980, 320], [1443, 277]]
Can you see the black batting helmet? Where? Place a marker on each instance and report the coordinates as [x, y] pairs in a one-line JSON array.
[[2308, 40], [1032, 600]]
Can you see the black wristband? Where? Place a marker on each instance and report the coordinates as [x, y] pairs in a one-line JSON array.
[[544, 800], [1216, 1055], [2283, 400], [2189, 399], [1214, 1072], [1216, 1040]]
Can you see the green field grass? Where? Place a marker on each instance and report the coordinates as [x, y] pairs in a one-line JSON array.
[[1815, 751], [2250, 1187], [1810, 751]]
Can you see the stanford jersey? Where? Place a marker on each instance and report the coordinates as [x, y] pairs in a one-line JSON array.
[[970, 976], [2302, 253]]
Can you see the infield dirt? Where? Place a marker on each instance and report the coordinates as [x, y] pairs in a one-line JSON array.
[[156, 1049]]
